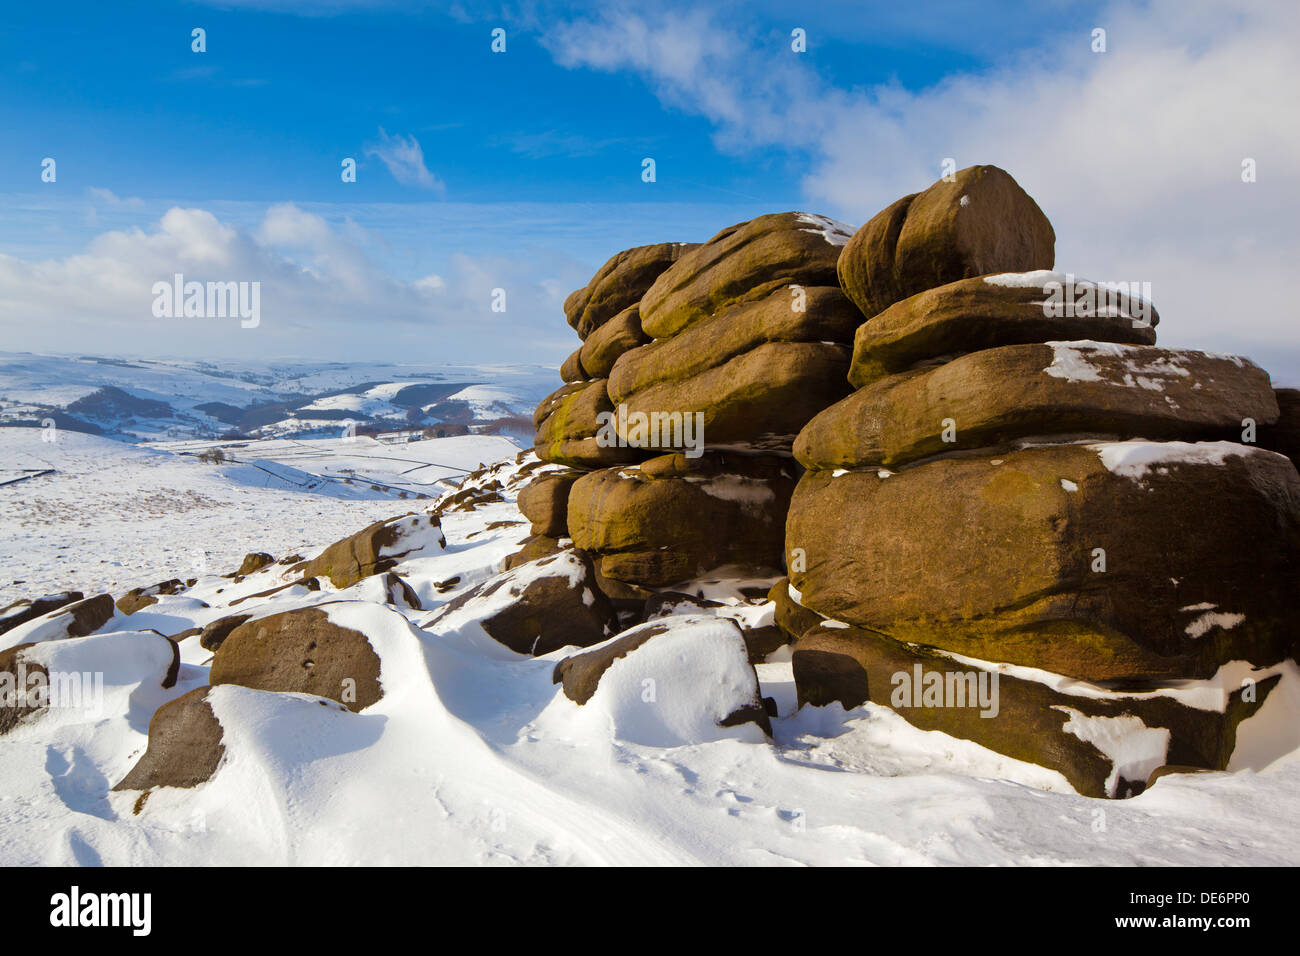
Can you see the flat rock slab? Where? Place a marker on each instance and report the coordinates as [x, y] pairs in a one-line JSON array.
[[989, 398]]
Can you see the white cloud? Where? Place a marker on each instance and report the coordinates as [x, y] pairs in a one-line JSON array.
[[405, 160], [1135, 154], [321, 294]]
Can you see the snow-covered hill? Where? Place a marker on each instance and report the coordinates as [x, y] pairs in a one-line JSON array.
[[145, 399]]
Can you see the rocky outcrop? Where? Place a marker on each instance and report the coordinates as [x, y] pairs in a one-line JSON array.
[[77, 619], [137, 598], [1023, 478]]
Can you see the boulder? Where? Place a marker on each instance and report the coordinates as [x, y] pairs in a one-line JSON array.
[[534, 547], [535, 608], [545, 502], [375, 549], [608, 343], [185, 745], [1104, 744], [254, 561], [791, 616], [699, 670], [571, 369], [985, 312], [568, 433], [214, 633], [137, 598], [743, 263], [22, 611], [301, 651], [619, 283], [1113, 561], [672, 518], [981, 222], [16, 700], [996, 396]]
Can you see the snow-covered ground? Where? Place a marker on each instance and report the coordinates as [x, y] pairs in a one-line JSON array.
[[113, 516], [473, 755]]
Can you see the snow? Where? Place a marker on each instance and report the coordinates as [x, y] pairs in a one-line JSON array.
[[1137, 457], [474, 755], [1133, 748], [833, 231]]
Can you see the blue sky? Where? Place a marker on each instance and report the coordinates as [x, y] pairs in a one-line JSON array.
[[522, 170]]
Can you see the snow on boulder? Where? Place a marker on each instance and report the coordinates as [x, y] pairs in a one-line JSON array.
[[137, 598], [72, 620], [679, 680], [76, 677], [1106, 743], [375, 549], [534, 608], [20, 612], [981, 313]]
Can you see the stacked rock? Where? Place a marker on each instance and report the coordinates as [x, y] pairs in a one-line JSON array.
[[699, 365], [1025, 491]]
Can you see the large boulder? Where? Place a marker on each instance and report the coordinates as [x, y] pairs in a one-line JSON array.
[[570, 429], [186, 745], [535, 608], [756, 372], [978, 223], [998, 395], [1113, 561], [375, 549], [301, 651], [608, 343], [672, 518], [743, 263], [1104, 744], [988, 311], [619, 283], [571, 369], [545, 502]]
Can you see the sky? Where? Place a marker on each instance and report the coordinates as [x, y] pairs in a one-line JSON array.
[[521, 170]]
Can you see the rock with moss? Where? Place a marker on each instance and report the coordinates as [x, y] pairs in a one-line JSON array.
[[989, 311], [1108, 561], [673, 518]]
